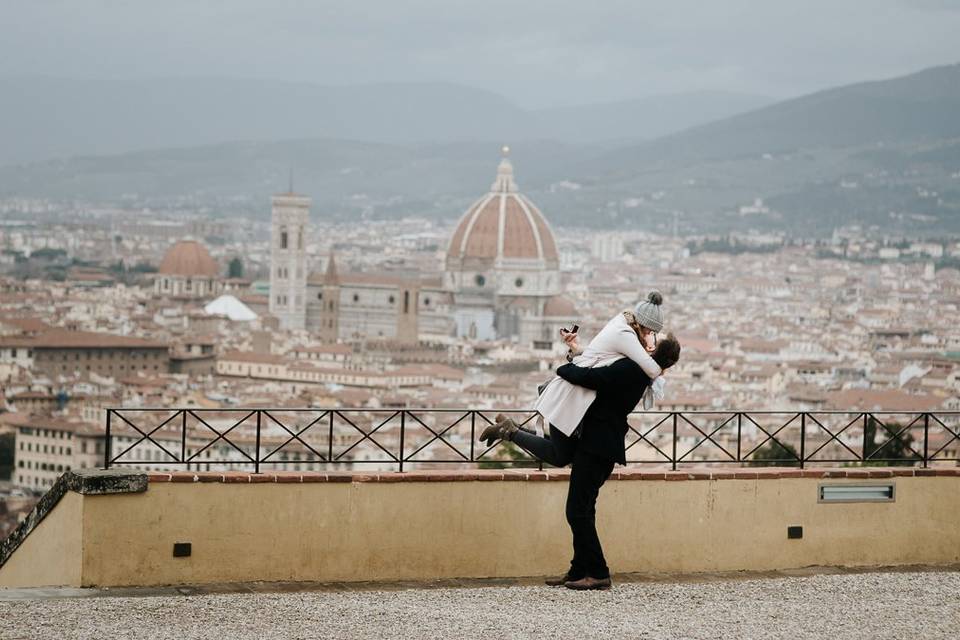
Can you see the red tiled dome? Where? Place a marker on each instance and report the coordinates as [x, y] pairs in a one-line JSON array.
[[189, 258], [559, 307], [503, 224]]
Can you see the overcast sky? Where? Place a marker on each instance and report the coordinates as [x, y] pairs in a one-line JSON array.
[[535, 52]]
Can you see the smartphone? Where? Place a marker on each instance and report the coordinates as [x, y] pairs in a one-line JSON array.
[[565, 331]]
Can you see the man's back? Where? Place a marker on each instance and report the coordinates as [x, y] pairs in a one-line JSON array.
[[619, 387]]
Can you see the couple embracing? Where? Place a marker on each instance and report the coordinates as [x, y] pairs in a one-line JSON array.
[[587, 407]]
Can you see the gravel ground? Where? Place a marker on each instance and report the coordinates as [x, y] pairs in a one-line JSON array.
[[866, 605]]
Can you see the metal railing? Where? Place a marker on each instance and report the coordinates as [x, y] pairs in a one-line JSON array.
[[267, 438]]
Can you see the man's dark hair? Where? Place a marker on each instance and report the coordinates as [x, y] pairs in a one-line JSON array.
[[668, 352]]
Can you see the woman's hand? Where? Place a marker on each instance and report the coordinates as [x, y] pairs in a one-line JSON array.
[[570, 339]]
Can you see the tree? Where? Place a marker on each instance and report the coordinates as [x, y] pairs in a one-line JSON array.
[[512, 456], [6, 455], [880, 443], [235, 268], [774, 454]]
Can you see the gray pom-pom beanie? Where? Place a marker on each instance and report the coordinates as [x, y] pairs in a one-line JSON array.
[[648, 312]]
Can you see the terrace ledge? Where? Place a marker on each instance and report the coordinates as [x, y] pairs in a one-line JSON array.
[[765, 473]]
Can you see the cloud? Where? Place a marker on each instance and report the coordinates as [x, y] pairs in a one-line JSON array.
[[537, 52]]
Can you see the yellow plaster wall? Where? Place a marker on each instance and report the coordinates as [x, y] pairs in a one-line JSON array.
[[429, 530], [51, 554]]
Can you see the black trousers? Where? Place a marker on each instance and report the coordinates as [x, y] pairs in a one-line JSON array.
[[587, 475]]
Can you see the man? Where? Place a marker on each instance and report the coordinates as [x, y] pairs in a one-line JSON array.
[[597, 444]]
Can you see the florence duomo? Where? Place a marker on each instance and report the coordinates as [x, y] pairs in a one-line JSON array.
[[501, 278]]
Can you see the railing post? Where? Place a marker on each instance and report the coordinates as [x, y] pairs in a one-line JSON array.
[[106, 444], [739, 435], [403, 428], [183, 438], [803, 439], [674, 456], [473, 434], [926, 438], [863, 452], [256, 449], [330, 440]]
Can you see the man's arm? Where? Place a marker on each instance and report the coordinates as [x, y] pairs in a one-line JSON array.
[[598, 378]]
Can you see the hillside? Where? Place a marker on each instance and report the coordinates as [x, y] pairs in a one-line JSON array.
[[881, 154], [46, 118]]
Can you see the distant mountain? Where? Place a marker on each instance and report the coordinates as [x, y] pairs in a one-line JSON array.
[[647, 117], [920, 106], [880, 154], [343, 177], [46, 118]]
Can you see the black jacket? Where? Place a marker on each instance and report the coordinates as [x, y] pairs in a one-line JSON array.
[[619, 388]]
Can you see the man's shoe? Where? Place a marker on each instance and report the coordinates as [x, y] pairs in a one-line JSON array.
[[589, 584], [558, 582]]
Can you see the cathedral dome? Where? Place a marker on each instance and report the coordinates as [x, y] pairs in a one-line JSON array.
[[189, 258], [559, 307], [502, 226]]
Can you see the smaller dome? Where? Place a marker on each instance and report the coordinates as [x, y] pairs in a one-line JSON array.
[[189, 258], [559, 307]]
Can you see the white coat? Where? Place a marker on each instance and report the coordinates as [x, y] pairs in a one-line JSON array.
[[563, 404]]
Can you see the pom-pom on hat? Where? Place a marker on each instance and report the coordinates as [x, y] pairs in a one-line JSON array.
[[648, 312]]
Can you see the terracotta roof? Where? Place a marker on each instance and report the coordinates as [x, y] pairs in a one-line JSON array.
[[66, 339], [326, 348], [250, 356], [882, 400], [189, 258], [503, 224], [559, 307], [26, 325], [364, 280]]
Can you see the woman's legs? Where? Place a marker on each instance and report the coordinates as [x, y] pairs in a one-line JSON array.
[[557, 450]]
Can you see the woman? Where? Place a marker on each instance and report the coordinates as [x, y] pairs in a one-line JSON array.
[[630, 334]]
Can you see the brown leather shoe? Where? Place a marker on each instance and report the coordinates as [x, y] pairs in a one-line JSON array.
[[557, 582], [502, 430], [589, 584]]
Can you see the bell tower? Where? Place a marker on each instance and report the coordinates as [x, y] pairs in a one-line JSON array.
[[330, 303], [288, 259]]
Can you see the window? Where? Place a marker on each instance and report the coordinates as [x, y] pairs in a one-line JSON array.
[[480, 280], [391, 299], [426, 302], [406, 302], [518, 282], [320, 296], [283, 239], [356, 298]]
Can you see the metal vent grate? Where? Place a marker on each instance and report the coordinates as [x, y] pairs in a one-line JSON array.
[[856, 492]]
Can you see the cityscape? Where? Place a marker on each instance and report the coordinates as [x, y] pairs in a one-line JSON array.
[[103, 311], [337, 320]]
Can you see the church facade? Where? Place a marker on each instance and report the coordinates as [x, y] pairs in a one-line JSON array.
[[501, 279]]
